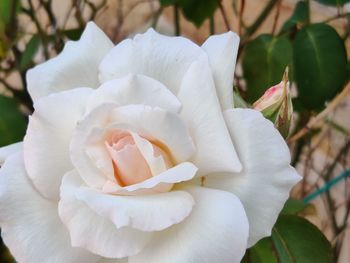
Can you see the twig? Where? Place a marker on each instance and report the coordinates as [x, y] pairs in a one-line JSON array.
[[212, 25], [41, 32], [335, 17], [275, 20], [331, 106], [156, 17], [240, 17], [177, 20], [252, 29], [224, 16]]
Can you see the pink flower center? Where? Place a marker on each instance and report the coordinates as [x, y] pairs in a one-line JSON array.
[[133, 164]]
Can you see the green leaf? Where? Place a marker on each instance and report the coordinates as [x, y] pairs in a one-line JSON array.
[[299, 17], [296, 240], [319, 60], [264, 61], [168, 2], [6, 10], [12, 122], [333, 2], [263, 252], [73, 34], [238, 101], [298, 207], [197, 11], [293, 206], [30, 51]]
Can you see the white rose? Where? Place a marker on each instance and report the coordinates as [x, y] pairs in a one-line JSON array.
[[134, 154]]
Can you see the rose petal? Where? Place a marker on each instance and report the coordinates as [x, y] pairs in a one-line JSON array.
[[160, 125], [134, 89], [264, 184], [92, 126], [146, 213], [9, 150], [180, 173], [222, 52], [161, 57], [46, 144], [30, 225], [215, 231], [114, 260], [92, 231], [75, 66], [201, 111], [156, 164], [155, 123]]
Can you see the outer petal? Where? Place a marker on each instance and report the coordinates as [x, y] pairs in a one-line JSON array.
[[9, 150], [92, 231], [30, 225], [216, 231], [202, 113], [161, 57], [264, 184], [135, 89], [222, 52], [46, 144], [145, 213], [75, 66]]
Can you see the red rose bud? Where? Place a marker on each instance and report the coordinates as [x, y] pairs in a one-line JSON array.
[[276, 105]]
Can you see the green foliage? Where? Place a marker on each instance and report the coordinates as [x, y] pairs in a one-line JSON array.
[[195, 11], [263, 252], [12, 122], [293, 240], [293, 206], [264, 61], [297, 240], [333, 2], [319, 59], [298, 207], [30, 51], [168, 2], [5, 256], [300, 16], [6, 10], [73, 34]]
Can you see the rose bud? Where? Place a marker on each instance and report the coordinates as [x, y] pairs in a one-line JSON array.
[[276, 105]]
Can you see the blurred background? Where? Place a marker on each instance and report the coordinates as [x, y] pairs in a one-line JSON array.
[[311, 37]]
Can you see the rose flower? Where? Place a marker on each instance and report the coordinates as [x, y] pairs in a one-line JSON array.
[[134, 153]]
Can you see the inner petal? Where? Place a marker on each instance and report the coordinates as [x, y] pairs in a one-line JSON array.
[[130, 167], [135, 158]]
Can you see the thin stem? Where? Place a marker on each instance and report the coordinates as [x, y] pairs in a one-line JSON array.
[[275, 20], [41, 32], [254, 27], [331, 106], [156, 17], [224, 16], [177, 20], [240, 17], [212, 25], [336, 17]]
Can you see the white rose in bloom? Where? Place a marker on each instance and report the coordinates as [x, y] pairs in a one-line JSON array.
[[135, 154]]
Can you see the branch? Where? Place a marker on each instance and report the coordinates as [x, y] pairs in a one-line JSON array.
[[331, 106]]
